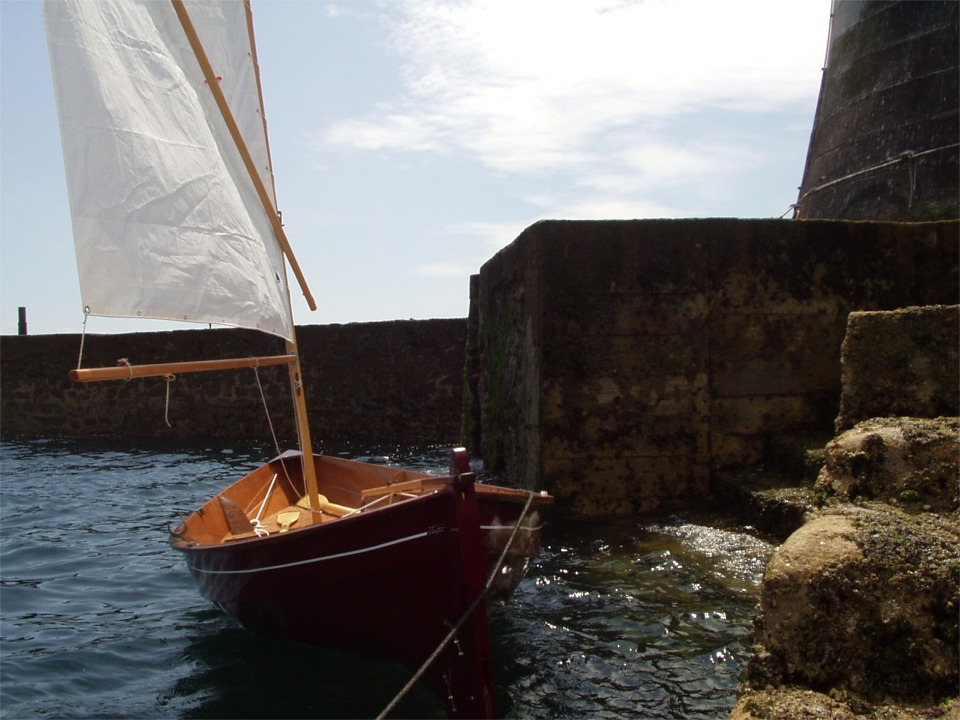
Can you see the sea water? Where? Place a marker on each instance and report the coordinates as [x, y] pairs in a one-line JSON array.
[[99, 618]]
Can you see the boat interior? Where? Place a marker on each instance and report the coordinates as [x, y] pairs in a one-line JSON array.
[[273, 499]]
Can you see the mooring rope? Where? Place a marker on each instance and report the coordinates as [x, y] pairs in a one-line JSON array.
[[456, 628], [266, 410]]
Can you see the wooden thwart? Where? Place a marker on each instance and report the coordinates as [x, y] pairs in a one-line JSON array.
[[126, 372], [324, 505], [418, 485]]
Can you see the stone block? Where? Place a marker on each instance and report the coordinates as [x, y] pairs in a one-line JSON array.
[[900, 362]]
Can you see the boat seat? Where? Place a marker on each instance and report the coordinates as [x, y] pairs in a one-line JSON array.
[[326, 506], [288, 518], [417, 486]]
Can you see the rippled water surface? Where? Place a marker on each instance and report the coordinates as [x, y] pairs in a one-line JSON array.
[[100, 618]]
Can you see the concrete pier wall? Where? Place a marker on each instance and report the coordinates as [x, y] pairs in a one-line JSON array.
[[900, 364], [390, 382], [620, 363]]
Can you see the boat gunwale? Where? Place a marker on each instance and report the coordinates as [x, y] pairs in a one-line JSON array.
[[440, 484], [194, 546]]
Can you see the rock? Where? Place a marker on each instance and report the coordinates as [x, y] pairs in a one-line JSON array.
[[911, 462], [903, 363], [798, 704], [864, 600]]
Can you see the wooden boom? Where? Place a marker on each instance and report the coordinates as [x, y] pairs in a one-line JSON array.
[[127, 372]]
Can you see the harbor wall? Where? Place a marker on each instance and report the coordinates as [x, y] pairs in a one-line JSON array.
[[620, 363], [378, 383]]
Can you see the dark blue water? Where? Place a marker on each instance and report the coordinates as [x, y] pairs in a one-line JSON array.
[[100, 618]]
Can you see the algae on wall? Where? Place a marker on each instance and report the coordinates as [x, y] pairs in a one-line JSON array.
[[624, 362], [507, 302]]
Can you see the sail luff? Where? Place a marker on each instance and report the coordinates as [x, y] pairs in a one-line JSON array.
[[237, 136]]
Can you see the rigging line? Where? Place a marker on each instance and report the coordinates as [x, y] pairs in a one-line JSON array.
[[906, 155], [456, 628], [266, 410], [83, 335], [273, 434], [266, 497]]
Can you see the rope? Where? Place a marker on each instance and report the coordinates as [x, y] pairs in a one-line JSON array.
[[909, 155], [83, 336], [263, 399], [258, 527], [266, 497], [456, 628], [273, 434], [124, 362], [166, 407]]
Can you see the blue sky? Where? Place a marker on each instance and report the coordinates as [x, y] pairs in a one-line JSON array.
[[413, 139]]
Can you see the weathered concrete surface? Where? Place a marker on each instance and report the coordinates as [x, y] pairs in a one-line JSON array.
[[391, 382], [884, 144], [864, 600], [905, 362], [622, 362], [911, 462], [859, 608]]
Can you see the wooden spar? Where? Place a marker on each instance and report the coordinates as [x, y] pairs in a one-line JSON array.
[[127, 372], [296, 379], [225, 111], [303, 430], [248, 11], [296, 376]]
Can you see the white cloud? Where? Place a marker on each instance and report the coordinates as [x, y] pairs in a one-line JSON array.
[[589, 92], [492, 235], [443, 269], [537, 79]]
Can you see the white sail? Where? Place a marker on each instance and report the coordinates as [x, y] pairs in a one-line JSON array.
[[166, 220]]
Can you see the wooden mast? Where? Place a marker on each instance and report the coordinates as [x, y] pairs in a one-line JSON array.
[[296, 376]]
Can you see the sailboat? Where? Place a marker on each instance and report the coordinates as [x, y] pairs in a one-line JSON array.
[[174, 217]]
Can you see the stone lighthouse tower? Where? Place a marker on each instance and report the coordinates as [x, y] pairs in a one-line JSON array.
[[885, 137]]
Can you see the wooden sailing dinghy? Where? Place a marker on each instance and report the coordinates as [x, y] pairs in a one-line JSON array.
[[174, 217]]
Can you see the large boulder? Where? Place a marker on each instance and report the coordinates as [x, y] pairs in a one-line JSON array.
[[863, 600], [911, 462]]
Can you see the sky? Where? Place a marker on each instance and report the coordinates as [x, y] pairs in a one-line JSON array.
[[414, 139]]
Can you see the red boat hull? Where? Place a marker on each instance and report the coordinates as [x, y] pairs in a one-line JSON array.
[[390, 581]]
